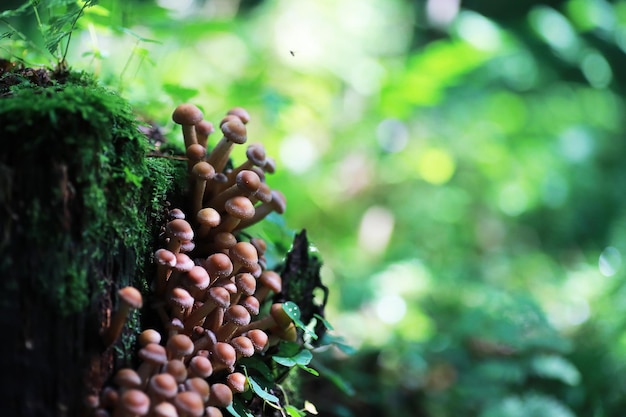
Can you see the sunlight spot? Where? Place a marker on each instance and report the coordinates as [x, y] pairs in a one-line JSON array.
[[555, 30], [576, 144], [513, 200], [365, 76], [596, 69], [392, 135], [479, 31], [442, 12], [436, 166], [610, 261], [375, 229], [177, 6], [297, 153], [391, 308]]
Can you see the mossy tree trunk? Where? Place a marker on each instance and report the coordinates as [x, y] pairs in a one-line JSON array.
[[78, 208]]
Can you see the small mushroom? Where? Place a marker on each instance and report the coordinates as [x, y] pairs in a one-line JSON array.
[[234, 317], [237, 382], [178, 231], [189, 404], [277, 317], [258, 338], [179, 347], [243, 254], [153, 356], [130, 299], [238, 209], [234, 133], [162, 387], [199, 386], [221, 395], [217, 297], [201, 173], [200, 366], [268, 281], [243, 346], [132, 403], [165, 261], [246, 183], [277, 204], [188, 115], [203, 129], [207, 218]]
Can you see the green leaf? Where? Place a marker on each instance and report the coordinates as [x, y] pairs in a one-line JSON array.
[[555, 367], [293, 311], [261, 392], [293, 411], [309, 370], [324, 321], [238, 410]]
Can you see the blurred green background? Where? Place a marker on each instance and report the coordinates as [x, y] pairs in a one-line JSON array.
[[458, 165]]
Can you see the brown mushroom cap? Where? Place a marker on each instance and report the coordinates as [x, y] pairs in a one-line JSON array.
[[241, 113], [200, 366], [153, 353], [211, 411], [237, 382], [258, 338], [179, 346], [252, 304], [240, 207], [221, 395], [272, 280], [163, 385], [246, 283], [127, 378], [149, 336], [165, 257], [218, 265], [196, 280], [243, 345], [187, 114], [224, 356], [208, 217], [244, 253], [164, 409], [131, 297], [237, 314], [203, 170], [134, 402], [177, 369], [189, 403], [235, 131], [204, 128], [176, 213], [200, 386]]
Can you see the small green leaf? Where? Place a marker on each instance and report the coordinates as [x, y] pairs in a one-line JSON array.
[[261, 392], [324, 321], [309, 370], [288, 362], [293, 311], [293, 411]]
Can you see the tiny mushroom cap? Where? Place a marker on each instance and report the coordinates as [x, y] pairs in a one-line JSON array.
[[165, 257], [134, 402], [234, 317], [246, 183], [211, 411], [234, 133], [237, 208], [278, 313], [221, 395], [164, 409], [237, 382], [149, 336], [202, 172], [176, 213], [260, 245], [181, 302], [188, 115], [178, 231], [177, 369], [223, 241], [203, 128], [130, 298], [207, 218], [224, 356], [163, 386], [196, 281], [252, 304], [217, 297], [179, 346], [268, 281], [200, 386], [189, 404], [152, 354], [243, 345], [243, 254], [278, 204], [258, 338], [241, 113], [200, 366], [127, 378], [218, 265]]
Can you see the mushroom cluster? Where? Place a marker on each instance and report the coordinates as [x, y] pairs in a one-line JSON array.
[[210, 283]]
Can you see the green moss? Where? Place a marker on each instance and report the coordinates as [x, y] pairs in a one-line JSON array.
[[84, 199]]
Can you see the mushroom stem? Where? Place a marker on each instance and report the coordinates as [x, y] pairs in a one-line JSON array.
[[234, 133], [277, 204], [130, 298]]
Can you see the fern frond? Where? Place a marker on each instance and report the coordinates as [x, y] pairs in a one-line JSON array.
[[11, 13], [555, 367]]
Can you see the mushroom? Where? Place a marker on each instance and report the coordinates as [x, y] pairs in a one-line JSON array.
[[243, 254], [196, 281], [211, 411], [189, 404], [207, 218], [199, 386], [195, 154], [221, 395], [234, 133], [153, 356], [277, 317], [183, 265], [203, 130], [251, 303], [241, 113], [258, 338], [277, 204], [234, 317], [246, 183], [165, 260], [217, 297], [246, 285], [177, 369], [181, 303], [255, 156], [200, 366], [223, 356], [132, 403], [130, 299], [187, 115], [179, 347], [243, 346], [201, 172], [218, 265], [238, 209], [162, 387], [127, 378], [149, 336], [164, 409], [237, 382], [268, 281], [178, 231]]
